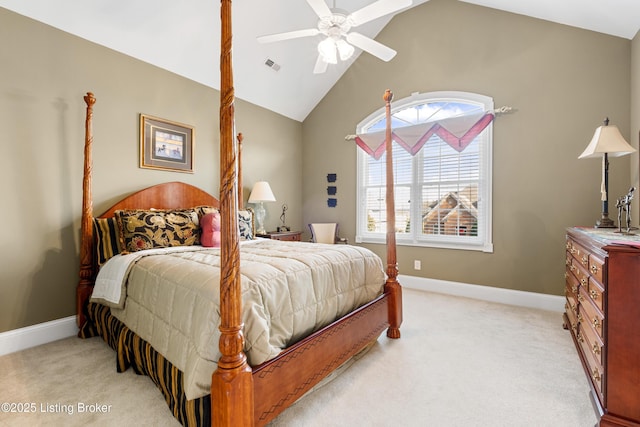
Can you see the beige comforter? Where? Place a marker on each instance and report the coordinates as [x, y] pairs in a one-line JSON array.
[[289, 289]]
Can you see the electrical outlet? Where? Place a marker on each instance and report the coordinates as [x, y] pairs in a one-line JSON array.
[[417, 264]]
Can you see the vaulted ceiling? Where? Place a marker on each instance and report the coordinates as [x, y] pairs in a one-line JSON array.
[[184, 37]]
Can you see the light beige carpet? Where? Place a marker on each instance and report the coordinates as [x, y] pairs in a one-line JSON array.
[[460, 362]]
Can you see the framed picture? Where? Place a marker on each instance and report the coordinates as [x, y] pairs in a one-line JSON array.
[[165, 144]]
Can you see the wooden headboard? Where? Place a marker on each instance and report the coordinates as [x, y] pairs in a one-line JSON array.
[[169, 195]]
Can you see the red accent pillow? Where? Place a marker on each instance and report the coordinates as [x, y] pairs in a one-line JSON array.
[[210, 224]]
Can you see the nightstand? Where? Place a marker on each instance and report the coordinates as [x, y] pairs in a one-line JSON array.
[[291, 236]]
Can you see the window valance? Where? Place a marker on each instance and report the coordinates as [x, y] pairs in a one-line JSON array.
[[458, 132]]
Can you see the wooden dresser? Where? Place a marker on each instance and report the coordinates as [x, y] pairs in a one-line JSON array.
[[602, 311]]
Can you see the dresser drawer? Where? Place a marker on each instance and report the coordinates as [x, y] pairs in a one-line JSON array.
[[596, 267], [571, 292], [596, 293], [589, 313], [582, 274], [290, 238], [572, 316], [592, 344], [579, 253], [593, 367]]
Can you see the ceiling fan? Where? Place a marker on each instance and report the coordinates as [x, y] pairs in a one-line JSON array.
[[336, 24]]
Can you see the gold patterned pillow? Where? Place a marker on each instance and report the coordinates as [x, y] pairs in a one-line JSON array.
[[143, 229]]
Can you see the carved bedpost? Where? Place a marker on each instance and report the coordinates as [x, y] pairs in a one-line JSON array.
[[391, 286], [240, 188], [231, 383], [83, 290]]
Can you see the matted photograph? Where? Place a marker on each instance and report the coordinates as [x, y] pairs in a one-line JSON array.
[[165, 144]]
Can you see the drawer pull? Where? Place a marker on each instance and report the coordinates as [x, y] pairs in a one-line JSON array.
[[583, 281], [580, 319], [585, 259], [580, 298], [596, 323], [596, 375], [574, 289], [580, 338], [594, 294], [596, 349], [594, 268]]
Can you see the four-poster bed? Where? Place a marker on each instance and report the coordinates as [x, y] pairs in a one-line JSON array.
[[240, 394]]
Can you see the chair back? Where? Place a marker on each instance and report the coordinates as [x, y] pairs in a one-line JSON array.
[[324, 232]]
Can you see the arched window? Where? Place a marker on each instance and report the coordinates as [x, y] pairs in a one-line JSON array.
[[442, 178]]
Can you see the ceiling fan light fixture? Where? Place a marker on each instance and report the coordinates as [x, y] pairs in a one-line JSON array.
[[345, 50], [327, 49], [336, 24]]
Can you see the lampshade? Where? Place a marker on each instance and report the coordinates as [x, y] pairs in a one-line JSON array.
[[261, 192], [607, 139]]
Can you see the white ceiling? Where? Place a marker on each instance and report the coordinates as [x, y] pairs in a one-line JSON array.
[[184, 37]]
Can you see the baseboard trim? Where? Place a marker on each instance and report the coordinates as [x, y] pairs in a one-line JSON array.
[[486, 293], [42, 333]]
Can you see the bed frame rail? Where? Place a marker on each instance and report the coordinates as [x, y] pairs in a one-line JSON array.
[[279, 382]]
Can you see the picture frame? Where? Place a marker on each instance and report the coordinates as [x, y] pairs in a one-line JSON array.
[[165, 144]]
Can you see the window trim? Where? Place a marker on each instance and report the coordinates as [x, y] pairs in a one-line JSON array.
[[483, 243]]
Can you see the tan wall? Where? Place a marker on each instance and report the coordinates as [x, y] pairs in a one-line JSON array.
[[561, 81], [45, 73]]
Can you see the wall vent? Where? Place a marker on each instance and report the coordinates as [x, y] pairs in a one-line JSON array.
[[271, 64]]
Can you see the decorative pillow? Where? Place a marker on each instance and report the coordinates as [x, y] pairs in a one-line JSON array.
[[142, 229], [245, 223], [210, 224], [203, 210], [107, 239]]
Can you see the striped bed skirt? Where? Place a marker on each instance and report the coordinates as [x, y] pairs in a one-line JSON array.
[[133, 351]]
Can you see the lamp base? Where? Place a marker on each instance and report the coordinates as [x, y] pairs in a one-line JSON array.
[[605, 222], [260, 214]]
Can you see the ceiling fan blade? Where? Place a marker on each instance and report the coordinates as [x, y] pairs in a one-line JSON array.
[[321, 65], [320, 8], [376, 10], [373, 47], [289, 35]]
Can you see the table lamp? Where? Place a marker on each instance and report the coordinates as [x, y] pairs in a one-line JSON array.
[[260, 193], [607, 141]]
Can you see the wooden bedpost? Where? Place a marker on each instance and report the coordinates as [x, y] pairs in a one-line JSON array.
[[231, 383], [83, 290], [240, 188], [391, 286]]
